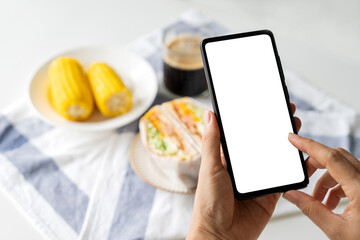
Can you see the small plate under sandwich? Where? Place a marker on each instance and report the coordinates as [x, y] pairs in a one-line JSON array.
[[144, 166]]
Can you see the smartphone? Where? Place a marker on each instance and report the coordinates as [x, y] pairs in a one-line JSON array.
[[252, 107]]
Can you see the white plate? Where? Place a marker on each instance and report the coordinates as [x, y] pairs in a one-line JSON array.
[[146, 169], [136, 73]]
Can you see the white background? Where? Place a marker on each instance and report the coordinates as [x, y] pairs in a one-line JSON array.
[[248, 87], [318, 39]]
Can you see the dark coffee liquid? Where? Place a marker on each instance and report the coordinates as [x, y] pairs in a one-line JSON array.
[[184, 82], [183, 69]]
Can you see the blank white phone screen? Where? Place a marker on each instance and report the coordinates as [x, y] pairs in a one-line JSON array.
[[254, 113]]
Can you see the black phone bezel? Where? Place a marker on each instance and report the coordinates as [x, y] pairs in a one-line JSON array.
[[267, 191]]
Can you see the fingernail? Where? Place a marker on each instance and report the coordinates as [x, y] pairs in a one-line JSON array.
[[293, 136], [207, 117], [289, 196]]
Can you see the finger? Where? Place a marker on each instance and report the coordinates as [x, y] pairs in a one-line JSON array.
[[350, 157], [323, 185], [296, 119], [317, 212], [334, 198], [331, 159], [297, 123], [211, 142], [309, 167], [317, 151], [222, 157], [293, 108]]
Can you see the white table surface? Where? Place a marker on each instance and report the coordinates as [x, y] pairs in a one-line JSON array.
[[318, 39]]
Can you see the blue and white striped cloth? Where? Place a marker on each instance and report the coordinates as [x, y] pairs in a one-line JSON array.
[[76, 185]]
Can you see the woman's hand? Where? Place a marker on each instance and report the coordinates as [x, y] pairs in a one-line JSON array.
[[341, 180], [217, 214]]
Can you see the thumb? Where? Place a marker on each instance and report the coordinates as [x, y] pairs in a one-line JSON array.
[[211, 142], [313, 209]]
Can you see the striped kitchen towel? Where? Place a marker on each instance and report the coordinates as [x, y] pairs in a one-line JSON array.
[[77, 185]]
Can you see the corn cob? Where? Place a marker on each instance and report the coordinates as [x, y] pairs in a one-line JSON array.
[[69, 91], [112, 97]]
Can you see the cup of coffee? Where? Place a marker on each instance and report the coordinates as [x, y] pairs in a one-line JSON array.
[[183, 67]]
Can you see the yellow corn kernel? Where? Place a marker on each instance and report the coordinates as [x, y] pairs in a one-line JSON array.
[[69, 89], [112, 97]]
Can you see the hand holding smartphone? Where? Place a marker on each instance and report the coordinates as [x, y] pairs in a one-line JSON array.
[[246, 83]]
